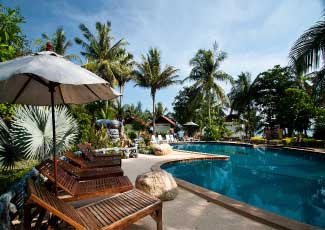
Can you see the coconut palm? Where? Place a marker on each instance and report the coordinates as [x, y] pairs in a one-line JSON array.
[[59, 43], [149, 74], [240, 94], [308, 52], [126, 72], [205, 74], [103, 57]]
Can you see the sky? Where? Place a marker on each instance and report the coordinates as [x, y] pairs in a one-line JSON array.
[[256, 34]]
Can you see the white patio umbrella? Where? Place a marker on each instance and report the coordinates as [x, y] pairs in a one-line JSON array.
[[190, 123], [46, 78]]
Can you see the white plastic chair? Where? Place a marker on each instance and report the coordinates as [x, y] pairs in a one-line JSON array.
[[153, 139], [168, 138], [160, 139]]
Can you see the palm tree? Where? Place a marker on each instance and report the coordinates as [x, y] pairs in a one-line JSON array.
[[103, 57], [308, 52], [126, 73], [149, 74], [205, 73], [241, 96], [59, 43], [160, 109]]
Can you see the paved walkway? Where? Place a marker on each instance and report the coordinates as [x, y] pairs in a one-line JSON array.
[[187, 211]]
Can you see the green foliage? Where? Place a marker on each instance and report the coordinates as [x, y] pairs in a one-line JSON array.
[[296, 109], [132, 135], [33, 134], [150, 74], [12, 41], [268, 89], [8, 178], [99, 138], [59, 42], [205, 74], [319, 129], [9, 152], [6, 111], [81, 114], [105, 59], [185, 104], [215, 132]]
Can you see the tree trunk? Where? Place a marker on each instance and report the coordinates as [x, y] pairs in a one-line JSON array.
[[248, 121], [209, 108], [153, 114], [120, 103]]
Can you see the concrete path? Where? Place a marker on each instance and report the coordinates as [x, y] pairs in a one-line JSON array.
[[187, 211]]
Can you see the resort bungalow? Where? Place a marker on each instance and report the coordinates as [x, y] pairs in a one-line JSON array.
[[165, 125]]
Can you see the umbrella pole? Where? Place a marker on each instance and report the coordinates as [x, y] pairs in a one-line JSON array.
[[54, 140]]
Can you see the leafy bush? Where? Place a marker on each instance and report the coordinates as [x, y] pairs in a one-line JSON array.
[[258, 140], [8, 178], [99, 138], [132, 135], [213, 132], [30, 134], [313, 143], [287, 141]]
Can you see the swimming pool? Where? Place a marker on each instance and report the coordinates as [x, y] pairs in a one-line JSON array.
[[290, 184]]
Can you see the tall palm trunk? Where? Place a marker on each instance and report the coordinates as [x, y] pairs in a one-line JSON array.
[[153, 113], [120, 103], [209, 108]]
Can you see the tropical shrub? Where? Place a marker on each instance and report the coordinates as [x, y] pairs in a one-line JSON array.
[[215, 132], [30, 134], [99, 138], [32, 130], [6, 111], [258, 140], [132, 135], [287, 141]]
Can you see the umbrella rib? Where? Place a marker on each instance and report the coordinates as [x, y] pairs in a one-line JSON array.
[[92, 92], [21, 90]]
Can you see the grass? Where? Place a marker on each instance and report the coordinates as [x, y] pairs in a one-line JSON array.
[[9, 177]]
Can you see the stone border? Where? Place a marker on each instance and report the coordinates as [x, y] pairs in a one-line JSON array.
[[239, 207], [293, 149]]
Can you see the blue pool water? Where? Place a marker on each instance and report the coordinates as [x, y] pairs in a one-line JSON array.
[[290, 184]]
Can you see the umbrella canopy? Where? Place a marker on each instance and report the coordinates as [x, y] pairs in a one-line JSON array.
[[190, 123], [46, 78], [27, 80]]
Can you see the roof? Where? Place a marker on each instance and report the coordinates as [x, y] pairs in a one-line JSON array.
[[135, 119], [164, 119]]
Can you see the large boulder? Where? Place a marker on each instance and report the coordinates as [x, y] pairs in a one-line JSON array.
[[159, 184], [162, 149]]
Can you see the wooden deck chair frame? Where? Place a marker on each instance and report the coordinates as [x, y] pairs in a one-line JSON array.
[[117, 212]]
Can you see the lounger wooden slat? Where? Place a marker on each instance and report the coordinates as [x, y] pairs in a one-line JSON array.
[[87, 174], [114, 160], [113, 213], [84, 189], [91, 155]]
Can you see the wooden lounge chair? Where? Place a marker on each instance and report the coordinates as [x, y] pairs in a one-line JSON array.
[[111, 160], [116, 212], [87, 174], [79, 190]]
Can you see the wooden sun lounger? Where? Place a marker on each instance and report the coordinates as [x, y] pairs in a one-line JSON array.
[[93, 155], [111, 160], [116, 212], [84, 173], [79, 190]]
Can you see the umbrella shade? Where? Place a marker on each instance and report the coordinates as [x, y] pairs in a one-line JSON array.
[[47, 78], [27, 80], [190, 123]]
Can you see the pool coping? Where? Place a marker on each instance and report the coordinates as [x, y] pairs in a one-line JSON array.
[[297, 149], [239, 207]]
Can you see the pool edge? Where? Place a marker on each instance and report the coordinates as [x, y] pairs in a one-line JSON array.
[[259, 215]]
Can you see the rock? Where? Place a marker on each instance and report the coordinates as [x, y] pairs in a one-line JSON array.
[[159, 184], [162, 149]]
